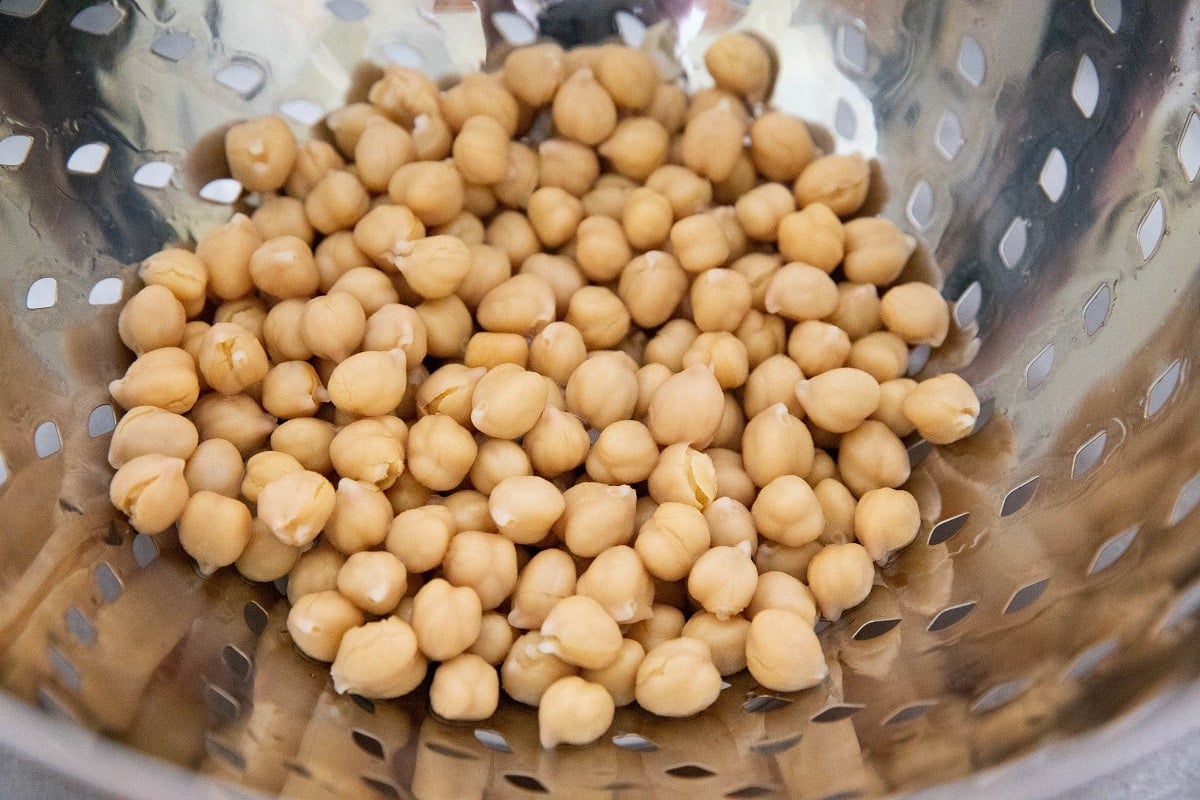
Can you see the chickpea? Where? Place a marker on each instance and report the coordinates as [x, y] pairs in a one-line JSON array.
[[361, 517], [265, 558], [533, 74], [890, 412], [489, 268], [215, 466], [818, 347], [383, 147], [370, 287], [603, 389], [394, 326], [870, 457], [530, 669], [237, 418], [776, 443], [759, 269], [840, 577], [731, 478], [697, 389], [387, 234], [548, 578], [554, 214], [560, 272], [637, 147], [151, 490], [180, 271], [522, 304], [484, 562], [449, 390], [214, 530], [678, 678], [886, 520], [407, 493], [436, 266], [712, 141], [432, 137], [720, 299], [292, 389], [248, 312], [741, 180], [567, 165], [723, 354], [599, 316], [876, 250], [145, 430], [627, 74], [646, 219], [497, 460], [403, 94], [741, 63], [225, 251], [193, 335], [665, 624], [574, 711], [316, 571], [773, 381], [699, 242], [883, 355], [813, 236], [282, 331], [151, 319], [761, 210], [231, 358], [780, 146], [465, 688], [596, 517], [838, 507], [671, 541], [420, 536], [580, 632], [620, 677], [378, 660], [669, 106], [943, 409], [916, 312], [618, 581], [481, 150], [465, 226], [583, 110], [787, 511], [315, 158], [840, 399], [775, 557], [337, 202], [307, 440], [840, 182], [296, 505], [625, 452], [730, 524], [318, 622], [525, 507], [280, 215], [369, 383], [262, 468], [688, 193], [440, 452], [480, 93], [283, 267], [683, 475], [779, 590], [782, 652], [800, 292], [652, 285], [260, 153], [495, 639], [557, 351], [165, 378], [557, 443], [348, 123], [507, 401], [722, 580], [432, 190], [650, 379], [446, 619]]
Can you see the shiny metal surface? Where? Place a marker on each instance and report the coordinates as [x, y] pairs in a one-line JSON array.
[[1045, 155]]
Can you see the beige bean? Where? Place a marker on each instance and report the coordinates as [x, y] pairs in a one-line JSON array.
[[495, 639], [813, 236], [497, 460], [260, 153], [165, 378], [280, 215], [446, 619], [890, 412], [292, 389], [449, 390], [721, 353], [583, 110], [620, 677], [370, 287], [480, 150], [369, 383], [525, 507], [440, 452], [225, 253], [779, 590], [916, 312], [403, 94], [546, 579], [730, 476], [378, 660], [876, 250], [800, 292], [882, 354], [567, 165], [838, 507], [508, 400], [231, 358], [773, 381], [574, 711], [599, 316], [818, 347], [316, 571], [151, 319], [782, 652], [726, 639], [794, 561], [580, 632], [215, 466], [619, 582], [151, 490], [374, 581], [722, 580], [652, 285], [336, 202], [360, 519], [396, 326], [671, 540], [678, 678], [180, 271], [315, 158], [318, 621], [712, 141], [557, 351], [601, 249], [532, 74], [236, 418], [265, 558], [145, 430], [687, 192], [840, 182], [522, 304], [741, 63], [647, 218], [283, 267], [596, 517], [776, 443], [296, 505], [697, 389], [529, 669], [763, 335], [627, 74], [720, 299], [465, 688], [387, 235], [624, 452], [307, 440], [683, 475], [420, 536], [761, 210], [699, 242], [637, 147], [840, 577], [485, 562], [262, 468], [787, 511], [557, 443], [348, 123], [840, 399], [780, 146], [886, 520], [665, 624], [871, 457], [603, 389], [943, 409], [480, 93]]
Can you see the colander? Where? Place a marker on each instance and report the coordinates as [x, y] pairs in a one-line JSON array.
[[1043, 152]]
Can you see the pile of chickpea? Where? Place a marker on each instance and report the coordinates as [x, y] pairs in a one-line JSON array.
[[559, 379]]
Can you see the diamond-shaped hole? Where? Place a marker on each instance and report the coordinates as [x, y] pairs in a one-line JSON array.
[[526, 782], [145, 550], [222, 703], [971, 63], [492, 740], [65, 669], [773, 747], [306, 112], [256, 617], [635, 742], [1053, 178], [236, 661], [107, 582], [951, 615], [948, 136], [1086, 662], [173, 45], [1038, 369], [154, 174], [47, 440], [631, 29], [368, 743], [1186, 501], [1012, 243], [852, 48], [1018, 497], [43, 293], [948, 528], [222, 190], [106, 292], [762, 703], [1188, 150], [242, 76], [1185, 606], [997, 696], [80, 626], [837, 713], [101, 421], [920, 205], [844, 120], [910, 712], [15, 149], [874, 629], [1163, 387], [100, 20], [1109, 13], [689, 771], [21, 9], [1111, 550], [1088, 454], [1095, 310], [88, 159], [1085, 88], [347, 10], [918, 357], [967, 306], [1026, 596], [1150, 229], [514, 28]]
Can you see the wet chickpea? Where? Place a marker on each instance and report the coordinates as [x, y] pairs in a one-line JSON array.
[[337, 202], [395, 326], [780, 146], [465, 226], [407, 493], [596, 517], [637, 147], [730, 476], [512, 232], [744, 178], [231, 358], [650, 379], [368, 383], [248, 312], [772, 556], [260, 153], [282, 331], [440, 452], [840, 577], [712, 141], [555, 214], [382, 148], [652, 285], [567, 165], [495, 639], [548, 578], [560, 272], [620, 677], [432, 190], [773, 381], [775, 443], [557, 351], [557, 443], [603, 389], [283, 267], [449, 390], [151, 490], [296, 505], [742, 64], [677, 678], [699, 242], [432, 137], [687, 192], [890, 412], [480, 150], [580, 632], [818, 347], [782, 652], [265, 558], [360, 519], [731, 524], [486, 349], [215, 466], [599, 316], [280, 215], [435, 266], [225, 253], [722, 580], [840, 399], [484, 562], [916, 312], [333, 326], [214, 530], [315, 158], [532, 74], [871, 457], [480, 93], [723, 354], [787, 511], [840, 182], [180, 271], [525, 507], [669, 106], [151, 319], [646, 219], [465, 688], [885, 520], [387, 234], [193, 335], [318, 621], [683, 475], [145, 430], [262, 468], [876, 250], [307, 440], [837, 506], [529, 669], [883, 355], [625, 452], [814, 236], [446, 619], [618, 581], [697, 388], [404, 93], [378, 660], [761, 210], [583, 110], [420, 536], [370, 287], [601, 249], [758, 268], [943, 409], [348, 123], [236, 418], [627, 74], [315, 571], [720, 299], [507, 401], [672, 539], [574, 711], [779, 590], [800, 292]]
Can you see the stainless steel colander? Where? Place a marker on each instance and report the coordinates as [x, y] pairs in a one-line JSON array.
[[1045, 154]]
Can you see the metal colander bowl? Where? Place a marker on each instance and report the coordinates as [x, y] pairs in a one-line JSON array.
[[1044, 153]]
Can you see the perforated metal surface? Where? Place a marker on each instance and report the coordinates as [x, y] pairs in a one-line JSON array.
[[1044, 154]]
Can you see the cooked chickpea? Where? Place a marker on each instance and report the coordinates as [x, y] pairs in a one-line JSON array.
[[248, 312], [773, 381], [741, 63], [283, 267], [596, 517], [560, 272], [652, 285], [336, 202], [465, 226], [774, 557], [603, 389], [687, 192], [292, 389], [678, 678], [668, 106], [265, 558], [787, 511], [318, 621], [534, 73], [892, 395], [548, 578], [580, 632], [522, 304], [508, 400], [555, 214], [779, 590], [348, 123], [800, 292], [672, 539], [280, 215], [601, 249], [225, 253], [480, 150], [720, 299], [567, 165], [366, 451], [396, 326], [625, 452], [449, 390], [837, 506], [557, 443], [683, 475], [726, 638], [231, 358], [871, 457], [886, 520], [818, 347], [260, 153], [432, 137], [370, 383], [730, 524], [782, 652], [763, 335], [780, 146], [574, 711], [583, 110], [495, 639], [525, 507], [446, 619], [619, 582], [480, 93], [776, 443], [943, 409], [722, 580], [627, 74], [237, 418], [315, 158], [360, 519], [840, 182], [882, 354], [180, 271], [262, 468], [296, 506], [404, 93], [484, 562], [215, 466], [917, 313], [145, 430], [378, 660], [315, 571], [529, 669], [382, 148], [387, 234], [151, 490], [699, 242], [637, 147], [407, 493], [435, 266], [761, 210], [840, 399], [731, 478], [432, 190], [440, 452], [840, 577], [465, 688], [370, 287], [599, 316], [214, 530], [420, 536], [165, 378], [646, 219], [813, 236], [697, 389], [307, 440], [712, 141], [151, 319], [876, 250], [557, 351], [497, 460], [723, 354]]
